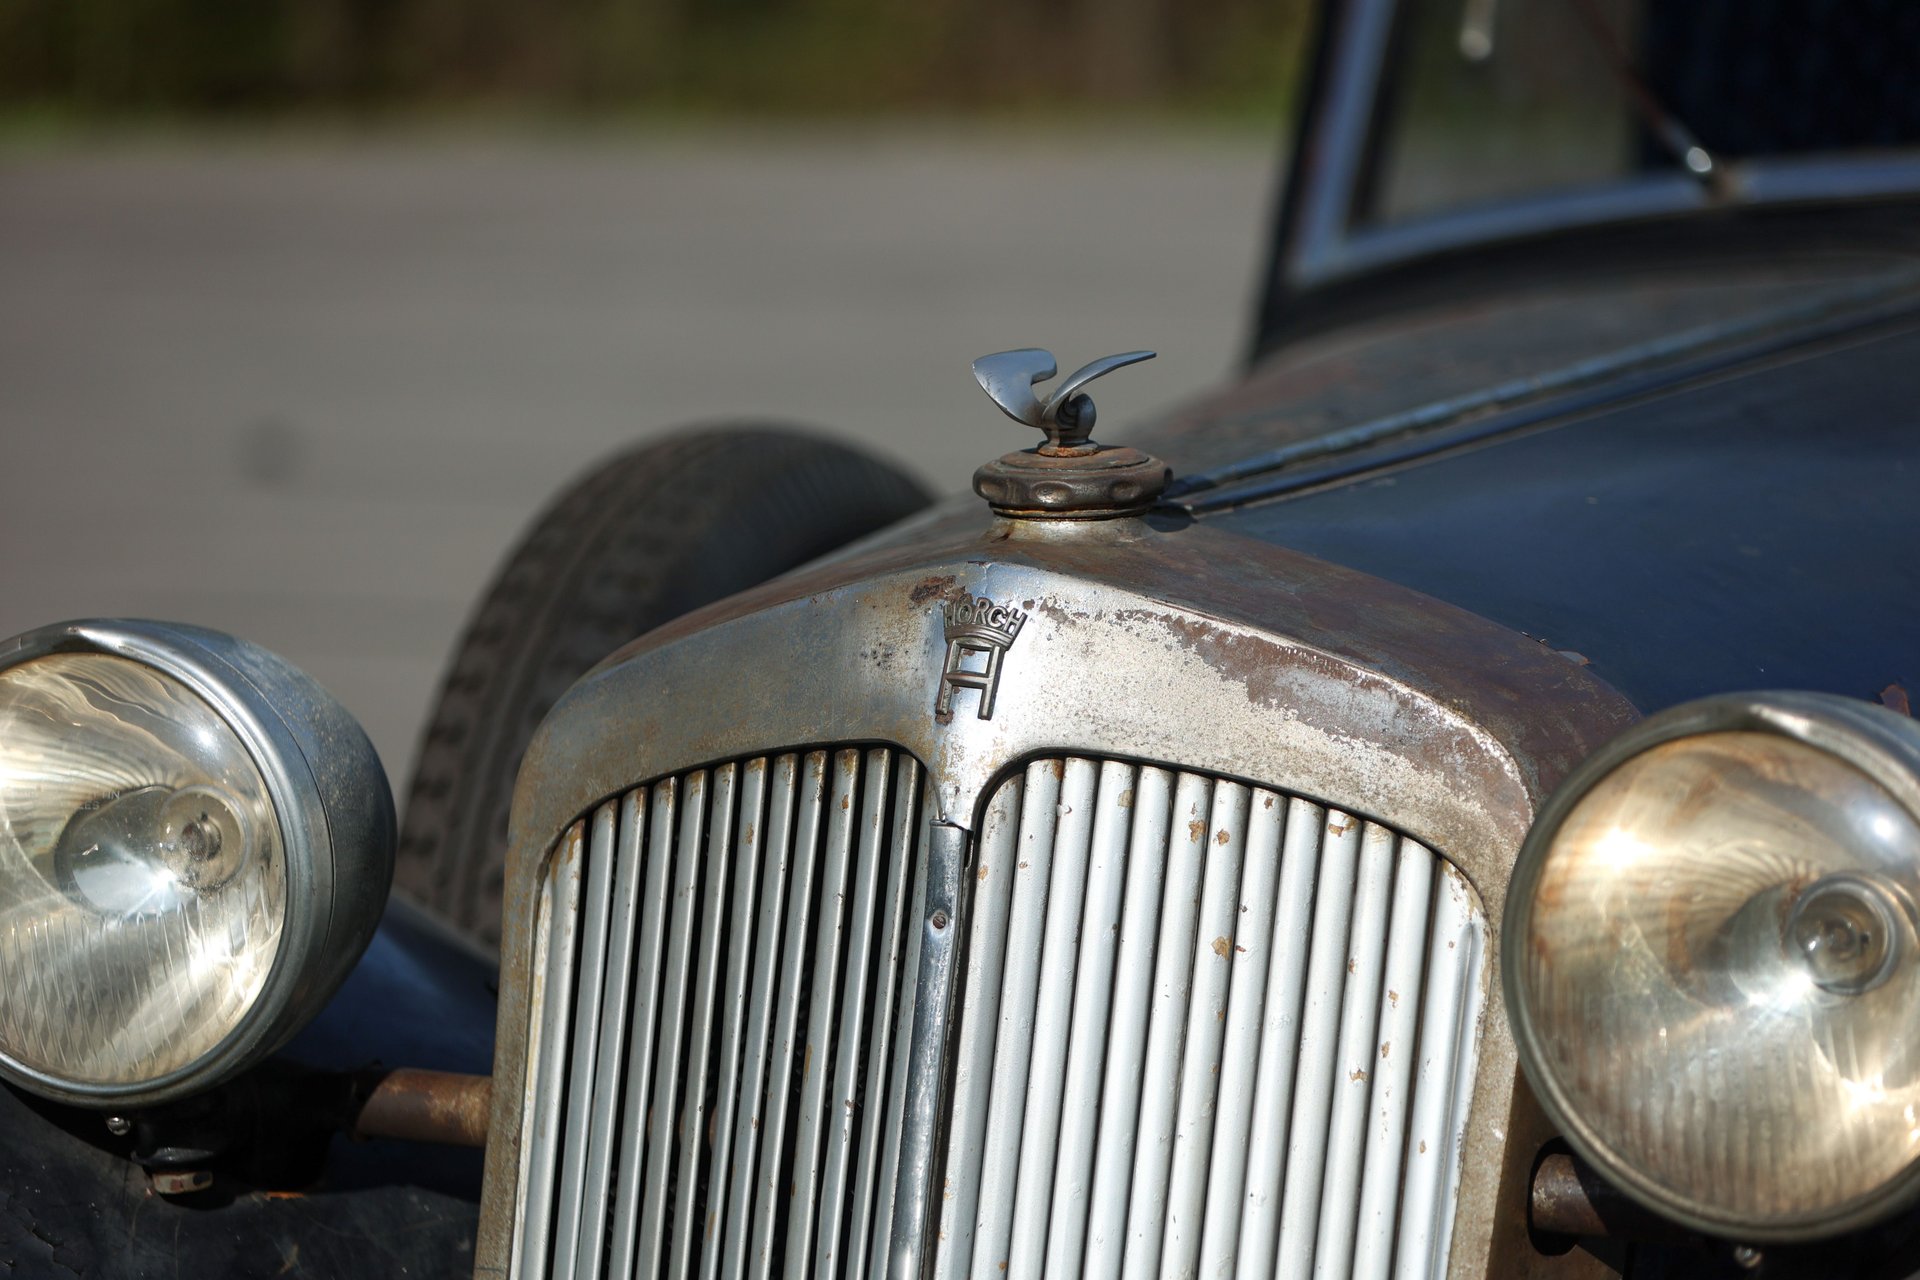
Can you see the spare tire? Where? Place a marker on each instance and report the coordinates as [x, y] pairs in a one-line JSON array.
[[643, 537]]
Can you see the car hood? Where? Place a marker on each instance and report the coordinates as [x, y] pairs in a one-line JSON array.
[[1750, 524]]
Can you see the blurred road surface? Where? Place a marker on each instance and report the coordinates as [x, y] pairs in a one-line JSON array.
[[308, 390]]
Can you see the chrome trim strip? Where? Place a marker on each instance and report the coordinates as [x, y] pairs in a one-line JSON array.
[[886, 1202], [918, 1173], [1451, 1007]]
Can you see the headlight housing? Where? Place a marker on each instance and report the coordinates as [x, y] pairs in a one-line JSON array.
[[1712, 964], [196, 843]]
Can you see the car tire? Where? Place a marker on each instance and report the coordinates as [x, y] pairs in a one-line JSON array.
[[640, 539]]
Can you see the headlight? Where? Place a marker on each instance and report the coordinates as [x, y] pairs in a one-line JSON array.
[[1712, 966], [196, 843]]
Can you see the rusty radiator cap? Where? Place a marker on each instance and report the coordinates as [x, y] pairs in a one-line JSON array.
[[1069, 476]]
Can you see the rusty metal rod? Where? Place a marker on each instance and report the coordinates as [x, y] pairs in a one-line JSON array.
[[1570, 1199], [427, 1106]]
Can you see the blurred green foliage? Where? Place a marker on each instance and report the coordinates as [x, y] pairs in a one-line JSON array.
[[761, 57]]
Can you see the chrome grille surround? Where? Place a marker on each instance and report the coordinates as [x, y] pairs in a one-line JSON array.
[[1232, 659]]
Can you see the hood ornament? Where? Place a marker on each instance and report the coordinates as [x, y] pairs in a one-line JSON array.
[[1068, 475]]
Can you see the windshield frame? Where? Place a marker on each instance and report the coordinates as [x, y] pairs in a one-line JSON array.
[[1322, 239]]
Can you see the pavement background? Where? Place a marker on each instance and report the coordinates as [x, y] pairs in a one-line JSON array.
[[309, 390]]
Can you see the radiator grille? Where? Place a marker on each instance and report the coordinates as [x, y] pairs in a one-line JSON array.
[[720, 961], [1205, 1029], [1208, 1029]]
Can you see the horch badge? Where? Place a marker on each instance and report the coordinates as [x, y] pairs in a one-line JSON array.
[[979, 633]]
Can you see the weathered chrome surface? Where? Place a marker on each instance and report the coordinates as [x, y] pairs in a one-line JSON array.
[[721, 1136], [1223, 657], [1296, 1103]]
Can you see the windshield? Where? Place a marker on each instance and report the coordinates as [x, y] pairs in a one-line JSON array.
[[1485, 101]]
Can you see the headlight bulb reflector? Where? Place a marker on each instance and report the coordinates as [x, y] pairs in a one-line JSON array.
[[196, 843], [142, 883]]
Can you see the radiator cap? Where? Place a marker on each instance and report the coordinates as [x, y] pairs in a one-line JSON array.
[[1068, 476]]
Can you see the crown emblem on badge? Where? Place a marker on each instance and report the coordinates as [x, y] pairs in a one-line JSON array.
[[979, 633], [982, 620]]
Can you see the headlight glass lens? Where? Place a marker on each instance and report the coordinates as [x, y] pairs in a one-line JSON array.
[[1721, 974], [142, 879]]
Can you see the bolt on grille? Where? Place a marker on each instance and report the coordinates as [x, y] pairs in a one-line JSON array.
[[1207, 1029], [720, 961]]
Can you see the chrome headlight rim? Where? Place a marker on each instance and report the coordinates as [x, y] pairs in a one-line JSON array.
[[1855, 733], [334, 814]]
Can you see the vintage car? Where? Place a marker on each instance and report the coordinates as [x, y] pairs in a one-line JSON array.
[[1445, 804]]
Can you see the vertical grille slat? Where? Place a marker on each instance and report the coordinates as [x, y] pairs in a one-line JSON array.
[[663, 1112], [634, 1120], [617, 1000], [1223, 839], [751, 840], [1280, 1006], [560, 918], [783, 788], [886, 1049], [1133, 993], [973, 1053], [1393, 1075], [1204, 1028], [863, 926], [1013, 1040], [1256, 1244], [1053, 1008], [816, 1057], [1357, 1055], [809, 799], [586, 1038], [1099, 948], [1167, 1026], [1252, 939], [691, 1136], [1319, 1026]]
